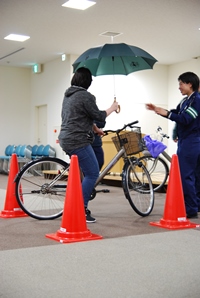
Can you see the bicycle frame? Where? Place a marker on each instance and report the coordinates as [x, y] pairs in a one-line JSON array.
[[155, 160], [58, 177], [164, 153], [167, 156], [110, 165], [42, 197]]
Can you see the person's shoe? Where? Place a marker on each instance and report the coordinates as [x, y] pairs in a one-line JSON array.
[[194, 215], [89, 218]]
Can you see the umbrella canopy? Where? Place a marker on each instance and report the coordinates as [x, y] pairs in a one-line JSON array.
[[114, 58]]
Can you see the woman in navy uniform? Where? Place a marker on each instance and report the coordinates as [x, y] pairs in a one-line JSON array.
[[187, 117]]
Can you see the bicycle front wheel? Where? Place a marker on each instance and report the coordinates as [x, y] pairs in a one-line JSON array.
[[137, 186], [158, 170], [41, 187]]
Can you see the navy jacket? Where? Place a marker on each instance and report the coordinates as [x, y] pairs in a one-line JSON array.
[[97, 139], [187, 117]]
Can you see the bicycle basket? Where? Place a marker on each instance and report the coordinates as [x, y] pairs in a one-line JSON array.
[[154, 147], [131, 140]]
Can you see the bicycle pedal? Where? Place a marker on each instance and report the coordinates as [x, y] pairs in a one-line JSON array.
[[105, 190]]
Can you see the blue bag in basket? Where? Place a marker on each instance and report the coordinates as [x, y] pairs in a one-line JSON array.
[[154, 147]]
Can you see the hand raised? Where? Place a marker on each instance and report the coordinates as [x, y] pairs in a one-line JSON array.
[[150, 106]]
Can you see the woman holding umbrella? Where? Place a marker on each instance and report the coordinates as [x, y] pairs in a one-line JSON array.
[[79, 111]]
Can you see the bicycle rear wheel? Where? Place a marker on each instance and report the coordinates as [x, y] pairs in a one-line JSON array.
[[41, 187], [158, 170], [137, 186]]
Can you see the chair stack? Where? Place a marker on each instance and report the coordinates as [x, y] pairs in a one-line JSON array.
[[5, 159], [25, 153]]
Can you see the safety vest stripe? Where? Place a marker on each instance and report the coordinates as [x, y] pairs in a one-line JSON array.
[[192, 112]]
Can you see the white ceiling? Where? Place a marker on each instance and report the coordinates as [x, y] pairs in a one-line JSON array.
[[167, 29]]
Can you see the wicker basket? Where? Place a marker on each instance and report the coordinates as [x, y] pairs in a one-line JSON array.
[[131, 140]]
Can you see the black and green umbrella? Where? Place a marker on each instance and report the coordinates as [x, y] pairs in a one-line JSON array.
[[114, 58]]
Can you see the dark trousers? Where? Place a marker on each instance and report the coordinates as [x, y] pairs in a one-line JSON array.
[[99, 155], [89, 166], [189, 161]]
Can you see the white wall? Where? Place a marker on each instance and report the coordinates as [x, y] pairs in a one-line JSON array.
[[48, 88], [15, 106], [21, 91], [132, 92]]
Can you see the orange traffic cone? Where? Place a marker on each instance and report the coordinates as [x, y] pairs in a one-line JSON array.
[[11, 206], [73, 227], [174, 212]]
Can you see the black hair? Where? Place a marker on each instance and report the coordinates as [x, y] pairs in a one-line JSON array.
[[190, 77], [82, 78]]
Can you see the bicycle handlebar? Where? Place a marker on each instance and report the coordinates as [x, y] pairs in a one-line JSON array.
[[164, 135], [131, 125]]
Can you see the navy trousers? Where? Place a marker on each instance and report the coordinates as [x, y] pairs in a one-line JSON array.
[[99, 155], [189, 161], [90, 168]]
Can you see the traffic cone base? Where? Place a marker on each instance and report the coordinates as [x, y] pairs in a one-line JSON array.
[[174, 224], [11, 206], [17, 212], [64, 237], [174, 216], [73, 227]]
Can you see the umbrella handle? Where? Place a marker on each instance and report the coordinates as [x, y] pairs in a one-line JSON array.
[[119, 108]]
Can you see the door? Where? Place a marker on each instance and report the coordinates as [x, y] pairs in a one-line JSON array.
[[41, 125]]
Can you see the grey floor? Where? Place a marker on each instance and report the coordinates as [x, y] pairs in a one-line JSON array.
[[134, 259]]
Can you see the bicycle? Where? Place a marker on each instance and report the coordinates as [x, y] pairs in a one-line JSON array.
[[157, 167], [41, 183]]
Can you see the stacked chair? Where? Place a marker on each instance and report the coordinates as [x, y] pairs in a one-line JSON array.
[[5, 159], [25, 153], [48, 151], [34, 151]]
